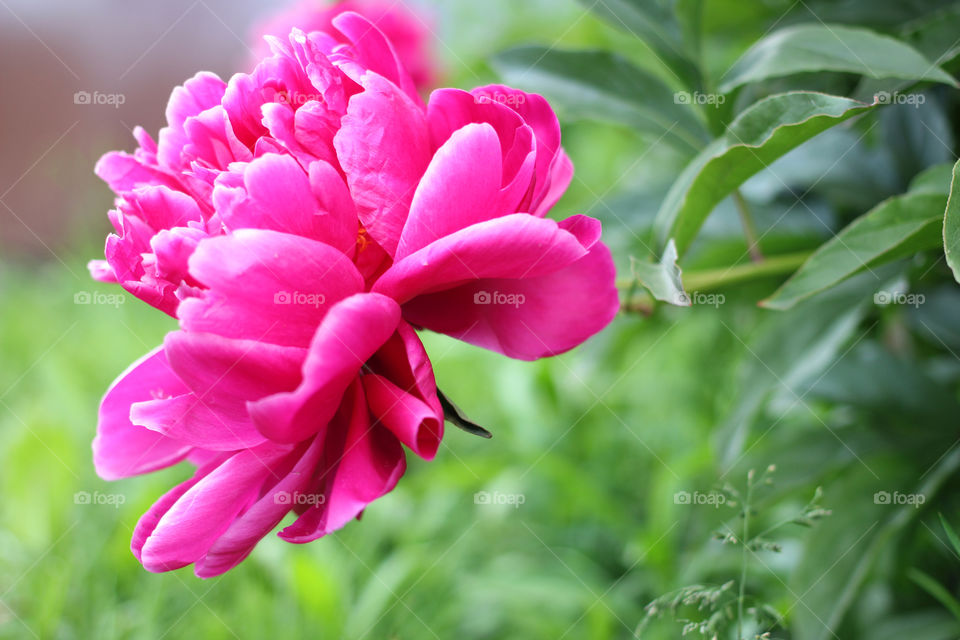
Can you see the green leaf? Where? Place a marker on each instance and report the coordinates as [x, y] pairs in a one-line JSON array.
[[917, 625], [951, 225], [898, 226], [935, 36], [761, 134], [951, 534], [821, 47], [935, 321], [786, 352], [605, 86], [840, 554], [663, 278], [935, 179], [936, 590], [657, 26], [895, 386], [455, 416]]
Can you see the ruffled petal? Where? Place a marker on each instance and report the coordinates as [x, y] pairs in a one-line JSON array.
[[123, 449], [371, 50], [267, 286], [350, 334], [529, 317], [198, 516], [243, 534], [513, 246], [409, 418], [222, 376], [384, 148], [276, 194], [361, 462], [460, 188], [199, 93]]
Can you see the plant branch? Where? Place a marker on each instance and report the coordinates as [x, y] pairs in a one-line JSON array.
[[749, 227], [711, 279]]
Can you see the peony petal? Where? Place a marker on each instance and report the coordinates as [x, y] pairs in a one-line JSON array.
[[212, 140], [266, 285], [186, 531], [372, 51], [360, 464], [124, 172], [531, 317], [409, 418], [276, 194], [384, 148], [460, 188], [452, 109], [101, 271], [514, 246], [404, 361], [172, 249], [306, 133], [246, 531], [332, 193], [350, 334], [149, 520], [161, 207], [188, 419], [198, 94], [558, 179], [222, 376], [537, 113], [122, 449]]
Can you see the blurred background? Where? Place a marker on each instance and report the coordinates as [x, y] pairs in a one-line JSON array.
[[566, 524]]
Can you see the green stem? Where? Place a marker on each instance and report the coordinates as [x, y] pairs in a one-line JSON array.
[[744, 541], [749, 228], [711, 279]]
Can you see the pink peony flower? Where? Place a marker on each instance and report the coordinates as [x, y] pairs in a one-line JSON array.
[[408, 30], [301, 221]]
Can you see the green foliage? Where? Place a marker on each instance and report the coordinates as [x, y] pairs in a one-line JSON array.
[[819, 47], [761, 134], [827, 193], [951, 225], [605, 86], [728, 610], [896, 228]]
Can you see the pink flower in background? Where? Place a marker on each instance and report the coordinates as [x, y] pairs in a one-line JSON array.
[[301, 221], [407, 29]]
